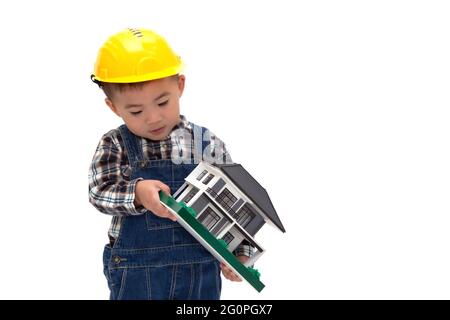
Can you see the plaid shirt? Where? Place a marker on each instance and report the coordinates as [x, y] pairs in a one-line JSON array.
[[112, 191]]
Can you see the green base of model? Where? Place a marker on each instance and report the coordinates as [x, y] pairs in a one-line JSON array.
[[187, 218]]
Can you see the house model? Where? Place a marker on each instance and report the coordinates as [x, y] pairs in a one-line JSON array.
[[223, 206]]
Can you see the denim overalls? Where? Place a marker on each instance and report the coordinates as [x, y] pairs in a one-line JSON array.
[[153, 257]]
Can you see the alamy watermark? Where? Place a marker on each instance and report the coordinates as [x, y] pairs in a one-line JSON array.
[[188, 149]]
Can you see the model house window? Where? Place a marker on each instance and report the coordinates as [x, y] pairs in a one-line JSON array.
[[212, 193], [226, 199], [209, 218], [228, 237], [201, 175], [244, 216], [208, 178], [190, 195]]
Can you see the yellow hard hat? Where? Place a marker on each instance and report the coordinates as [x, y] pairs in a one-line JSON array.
[[135, 55]]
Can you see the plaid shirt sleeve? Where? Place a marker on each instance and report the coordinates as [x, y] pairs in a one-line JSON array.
[[219, 153], [110, 189]]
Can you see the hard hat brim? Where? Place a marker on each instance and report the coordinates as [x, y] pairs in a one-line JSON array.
[[141, 78]]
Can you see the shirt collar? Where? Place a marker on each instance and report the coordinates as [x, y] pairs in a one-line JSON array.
[[183, 124]]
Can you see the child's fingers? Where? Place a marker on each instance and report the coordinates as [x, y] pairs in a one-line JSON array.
[[168, 214], [165, 213], [158, 208], [163, 187], [228, 273], [171, 216], [231, 276]]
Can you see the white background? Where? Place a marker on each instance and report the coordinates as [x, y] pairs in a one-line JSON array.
[[339, 108]]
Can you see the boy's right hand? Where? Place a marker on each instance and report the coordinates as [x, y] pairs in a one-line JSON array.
[[146, 194]]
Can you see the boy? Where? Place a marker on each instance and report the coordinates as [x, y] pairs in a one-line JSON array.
[[150, 256]]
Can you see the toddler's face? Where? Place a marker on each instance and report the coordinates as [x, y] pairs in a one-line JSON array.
[[151, 111]]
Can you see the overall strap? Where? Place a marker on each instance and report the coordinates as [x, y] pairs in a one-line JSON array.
[[199, 144], [132, 145]]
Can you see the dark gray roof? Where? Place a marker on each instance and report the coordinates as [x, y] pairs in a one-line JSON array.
[[252, 189]]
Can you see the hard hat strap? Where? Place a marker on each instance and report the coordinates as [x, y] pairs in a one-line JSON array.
[[95, 80]]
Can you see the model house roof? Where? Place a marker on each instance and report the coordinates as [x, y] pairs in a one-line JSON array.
[[252, 189]]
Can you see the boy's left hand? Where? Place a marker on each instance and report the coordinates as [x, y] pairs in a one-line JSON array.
[[228, 273]]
